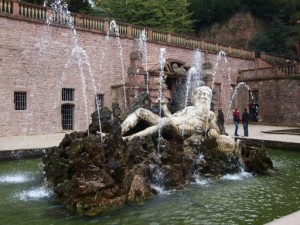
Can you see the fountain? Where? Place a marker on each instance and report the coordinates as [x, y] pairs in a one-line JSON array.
[[96, 174], [109, 166], [135, 155], [102, 170]]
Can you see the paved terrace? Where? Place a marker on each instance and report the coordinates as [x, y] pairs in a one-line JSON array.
[[259, 133]]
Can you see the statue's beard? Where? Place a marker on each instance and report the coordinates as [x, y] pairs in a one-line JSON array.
[[203, 103], [203, 107]]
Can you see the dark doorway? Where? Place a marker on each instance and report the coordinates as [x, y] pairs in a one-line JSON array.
[[254, 112], [254, 106], [67, 114]]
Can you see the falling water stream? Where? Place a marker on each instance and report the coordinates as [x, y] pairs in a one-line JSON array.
[[143, 46], [114, 29], [162, 61], [234, 199], [241, 84], [60, 14], [219, 57]]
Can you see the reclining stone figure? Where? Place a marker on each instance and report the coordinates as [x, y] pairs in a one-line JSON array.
[[187, 121]]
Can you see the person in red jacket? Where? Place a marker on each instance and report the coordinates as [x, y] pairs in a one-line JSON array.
[[236, 120]]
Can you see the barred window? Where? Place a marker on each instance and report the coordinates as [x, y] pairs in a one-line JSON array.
[[67, 114], [20, 100], [99, 98], [68, 94]]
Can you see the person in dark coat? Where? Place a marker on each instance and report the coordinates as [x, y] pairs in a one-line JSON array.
[[220, 122], [245, 121]]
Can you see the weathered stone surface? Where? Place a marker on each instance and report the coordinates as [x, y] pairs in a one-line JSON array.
[[97, 173]]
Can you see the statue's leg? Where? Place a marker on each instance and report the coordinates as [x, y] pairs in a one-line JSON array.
[[140, 114], [148, 131], [168, 129]]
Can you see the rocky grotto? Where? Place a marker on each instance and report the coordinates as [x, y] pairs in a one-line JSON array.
[[134, 155]]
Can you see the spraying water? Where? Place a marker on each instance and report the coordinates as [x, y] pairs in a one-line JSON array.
[[98, 106], [143, 45], [114, 29], [234, 94], [198, 60], [219, 57], [155, 168], [194, 76], [162, 61], [60, 14]]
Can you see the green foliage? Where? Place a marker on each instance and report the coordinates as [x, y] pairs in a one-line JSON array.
[[79, 6], [234, 28], [282, 32], [172, 16], [283, 9], [207, 12], [184, 16], [37, 2], [275, 40]]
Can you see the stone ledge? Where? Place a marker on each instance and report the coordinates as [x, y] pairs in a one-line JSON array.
[[23, 153], [291, 219], [271, 143]]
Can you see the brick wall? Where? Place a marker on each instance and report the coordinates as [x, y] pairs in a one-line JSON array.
[[41, 60], [279, 101]]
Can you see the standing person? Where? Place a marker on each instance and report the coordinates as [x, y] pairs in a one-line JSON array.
[[236, 120], [221, 121], [245, 121]]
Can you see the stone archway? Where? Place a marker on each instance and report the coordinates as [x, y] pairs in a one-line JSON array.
[[175, 73]]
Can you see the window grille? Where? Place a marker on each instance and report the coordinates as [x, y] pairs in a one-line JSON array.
[[20, 100], [68, 94], [253, 97], [99, 98], [67, 112]]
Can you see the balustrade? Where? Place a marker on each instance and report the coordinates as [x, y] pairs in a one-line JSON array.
[[32, 11], [178, 40], [123, 29], [288, 69], [92, 23], [159, 36], [6, 6], [137, 31], [193, 43], [270, 72]]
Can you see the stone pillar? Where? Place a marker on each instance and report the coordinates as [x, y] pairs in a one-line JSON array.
[[129, 31], [149, 35], [16, 8], [106, 26], [136, 64], [169, 38], [207, 71]]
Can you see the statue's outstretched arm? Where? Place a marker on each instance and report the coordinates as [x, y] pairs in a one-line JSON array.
[[166, 110], [140, 114]]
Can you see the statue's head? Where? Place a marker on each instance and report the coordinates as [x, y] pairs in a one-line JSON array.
[[202, 97]]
